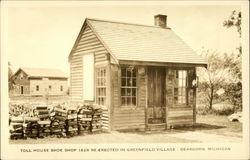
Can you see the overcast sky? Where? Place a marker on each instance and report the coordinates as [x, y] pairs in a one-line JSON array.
[[42, 36]]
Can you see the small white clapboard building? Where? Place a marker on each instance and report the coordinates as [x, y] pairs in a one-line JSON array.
[[39, 82], [144, 75]]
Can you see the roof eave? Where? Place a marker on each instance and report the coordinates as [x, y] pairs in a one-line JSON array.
[[158, 63], [17, 72], [47, 77]]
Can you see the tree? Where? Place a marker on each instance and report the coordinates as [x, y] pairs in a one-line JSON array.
[[234, 90], [233, 94], [234, 21], [214, 75], [10, 74], [223, 71]]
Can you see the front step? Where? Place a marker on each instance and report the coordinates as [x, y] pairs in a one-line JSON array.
[[156, 127]]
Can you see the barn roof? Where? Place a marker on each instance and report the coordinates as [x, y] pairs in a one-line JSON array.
[[135, 42], [43, 72]]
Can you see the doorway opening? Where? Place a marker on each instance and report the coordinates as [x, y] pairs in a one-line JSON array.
[[21, 90]]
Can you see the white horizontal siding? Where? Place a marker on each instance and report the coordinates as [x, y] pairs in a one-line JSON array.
[[88, 43]]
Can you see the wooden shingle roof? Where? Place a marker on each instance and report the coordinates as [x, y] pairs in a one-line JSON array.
[[133, 42], [43, 72]]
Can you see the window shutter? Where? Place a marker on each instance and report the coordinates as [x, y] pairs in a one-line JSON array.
[[191, 97], [170, 86], [88, 77], [116, 83], [142, 87]]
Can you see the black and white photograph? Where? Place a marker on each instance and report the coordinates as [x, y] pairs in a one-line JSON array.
[[113, 74]]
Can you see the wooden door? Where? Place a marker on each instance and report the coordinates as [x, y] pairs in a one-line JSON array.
[[156, 95], [21, 89]]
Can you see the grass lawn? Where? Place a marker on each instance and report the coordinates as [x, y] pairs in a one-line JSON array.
[[225, 127], [209, 128]]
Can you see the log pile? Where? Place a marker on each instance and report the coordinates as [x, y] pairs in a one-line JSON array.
[[44, 128], [60, 121], [16, 109], [30, 127], [16, 128], [84, 119], [71, 122], [58, 118], [96, 125], [42, 112]]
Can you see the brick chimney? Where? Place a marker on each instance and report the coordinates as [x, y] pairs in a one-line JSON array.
[[161, 20]]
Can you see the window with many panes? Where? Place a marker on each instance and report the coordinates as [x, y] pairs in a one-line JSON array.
[[101, 86], [180, 88], [128, 86]]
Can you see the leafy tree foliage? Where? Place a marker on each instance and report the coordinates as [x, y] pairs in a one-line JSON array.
[[233, 94], [234, 21], [10, 73], [234, 90], [214, 75], [223, 71]]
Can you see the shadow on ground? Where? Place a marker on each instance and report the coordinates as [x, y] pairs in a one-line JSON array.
[[198, 126], [177, 129]]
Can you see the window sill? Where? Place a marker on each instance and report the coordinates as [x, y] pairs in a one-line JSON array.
[[128, 107]]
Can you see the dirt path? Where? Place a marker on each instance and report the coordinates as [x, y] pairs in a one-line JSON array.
[[118, 137], [205, 137], [113, 137]]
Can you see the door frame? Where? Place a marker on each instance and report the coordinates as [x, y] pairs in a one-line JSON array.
[[164, 96]]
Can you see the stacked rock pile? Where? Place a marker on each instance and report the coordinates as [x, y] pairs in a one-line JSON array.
[[58, 118], [60, 121], [44, 128], [71, 122], [30, 127], [16, 128], [42, 112], [84, 119], [96, 125]]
